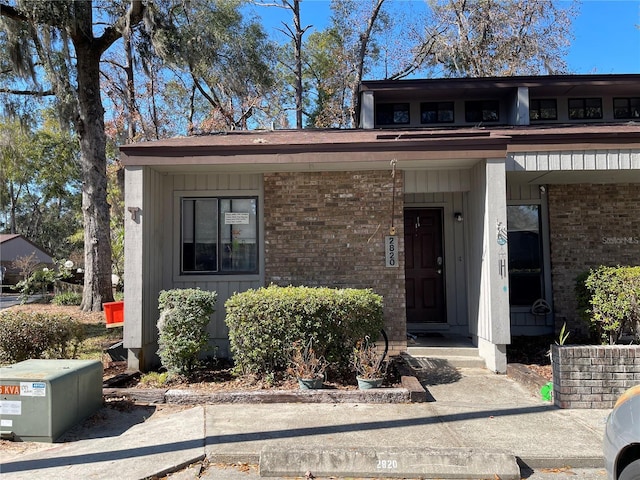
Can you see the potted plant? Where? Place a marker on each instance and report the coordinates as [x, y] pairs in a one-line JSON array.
[[307, 366], [369, 364]]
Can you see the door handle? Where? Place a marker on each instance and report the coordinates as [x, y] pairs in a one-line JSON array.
[[439, 263]]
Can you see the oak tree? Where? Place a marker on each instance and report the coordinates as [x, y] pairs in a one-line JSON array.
[[61, 43], [483, 38]]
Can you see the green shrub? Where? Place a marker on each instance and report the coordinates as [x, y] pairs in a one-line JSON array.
[[26, 335], [583, 299], [41, 281], [614, 301], [583, 295], [184, 316], [265, 323], [67, 298]]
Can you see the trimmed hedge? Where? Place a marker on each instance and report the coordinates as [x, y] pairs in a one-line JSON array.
[[26, 335], [613, 306], [265, 323], [184, 316]]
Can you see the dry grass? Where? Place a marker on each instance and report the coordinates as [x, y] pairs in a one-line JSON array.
[[98, 337]]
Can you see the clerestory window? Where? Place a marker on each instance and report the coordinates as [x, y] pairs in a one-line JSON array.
[[626, 107], [392, 114], [436, 112], [585, 108], [543, 109], [482, 111]]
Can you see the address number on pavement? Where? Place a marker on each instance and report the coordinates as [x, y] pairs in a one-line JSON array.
[[387, 465]]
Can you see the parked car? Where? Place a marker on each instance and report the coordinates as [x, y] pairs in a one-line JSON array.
[[622, 437]]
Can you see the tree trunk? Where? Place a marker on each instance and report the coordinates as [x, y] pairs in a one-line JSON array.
[[13, 200], [297, 43], [362, 53], [95, 209]]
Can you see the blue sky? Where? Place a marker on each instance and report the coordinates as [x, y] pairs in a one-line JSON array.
[[607, 39]]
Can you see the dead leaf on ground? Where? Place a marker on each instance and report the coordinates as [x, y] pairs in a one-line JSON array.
[[558, 470]]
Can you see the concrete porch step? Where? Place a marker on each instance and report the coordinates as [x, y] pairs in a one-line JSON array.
[[458, 357], [441, 352]]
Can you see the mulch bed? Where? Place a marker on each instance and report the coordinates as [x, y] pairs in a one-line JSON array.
[[218, 376], [532, 352]]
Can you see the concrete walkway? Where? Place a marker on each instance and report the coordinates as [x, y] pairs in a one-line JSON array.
[[478, 426]]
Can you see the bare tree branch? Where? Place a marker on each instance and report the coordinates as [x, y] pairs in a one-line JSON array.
[[35, 93]]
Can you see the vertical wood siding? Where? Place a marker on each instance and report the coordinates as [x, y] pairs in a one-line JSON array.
[[613, 159], [476, 224], [434, 181]]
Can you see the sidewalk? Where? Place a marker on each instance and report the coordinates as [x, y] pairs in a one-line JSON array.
[[481, 421]]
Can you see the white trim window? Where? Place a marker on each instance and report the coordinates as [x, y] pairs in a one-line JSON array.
[[218, 235]]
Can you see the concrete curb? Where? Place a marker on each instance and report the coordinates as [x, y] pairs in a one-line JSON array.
[[536, 463], [379, 395], [389, 463]]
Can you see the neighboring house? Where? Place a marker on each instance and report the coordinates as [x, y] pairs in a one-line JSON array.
[[13, 247], [505, 189]]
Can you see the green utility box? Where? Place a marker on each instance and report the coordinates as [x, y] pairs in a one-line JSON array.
[[41, 399]]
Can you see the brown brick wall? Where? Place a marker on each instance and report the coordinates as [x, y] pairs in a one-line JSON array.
[[589, 225], [593, 376], [328, 228]]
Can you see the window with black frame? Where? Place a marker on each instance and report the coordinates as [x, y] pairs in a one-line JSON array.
[[585, 108], [482, 111], [543, 109], [525, 254], [436, 112], [392, 114], [626, 107], [219, 235]]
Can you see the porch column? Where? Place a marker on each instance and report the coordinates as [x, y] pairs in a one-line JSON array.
[[367, 108], [489, 275], [134, 223], [521, 107]]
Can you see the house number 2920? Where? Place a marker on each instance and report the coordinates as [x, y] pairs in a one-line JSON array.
[[387, 465], [391, 250]]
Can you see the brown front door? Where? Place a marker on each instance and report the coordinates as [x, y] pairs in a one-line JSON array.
[[424, 266]]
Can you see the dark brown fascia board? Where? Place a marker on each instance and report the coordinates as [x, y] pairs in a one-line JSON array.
[[497, 143], [491, 82], [601, 138]]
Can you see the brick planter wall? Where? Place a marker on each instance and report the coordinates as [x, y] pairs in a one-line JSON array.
[[328, 228], [593, 376]]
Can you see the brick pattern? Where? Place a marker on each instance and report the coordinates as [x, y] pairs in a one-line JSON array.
[[589, 225], [593, 376], [328, 229]]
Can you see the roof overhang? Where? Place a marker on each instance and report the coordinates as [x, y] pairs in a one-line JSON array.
[[539, 86], [339, 150], [321, 152]]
